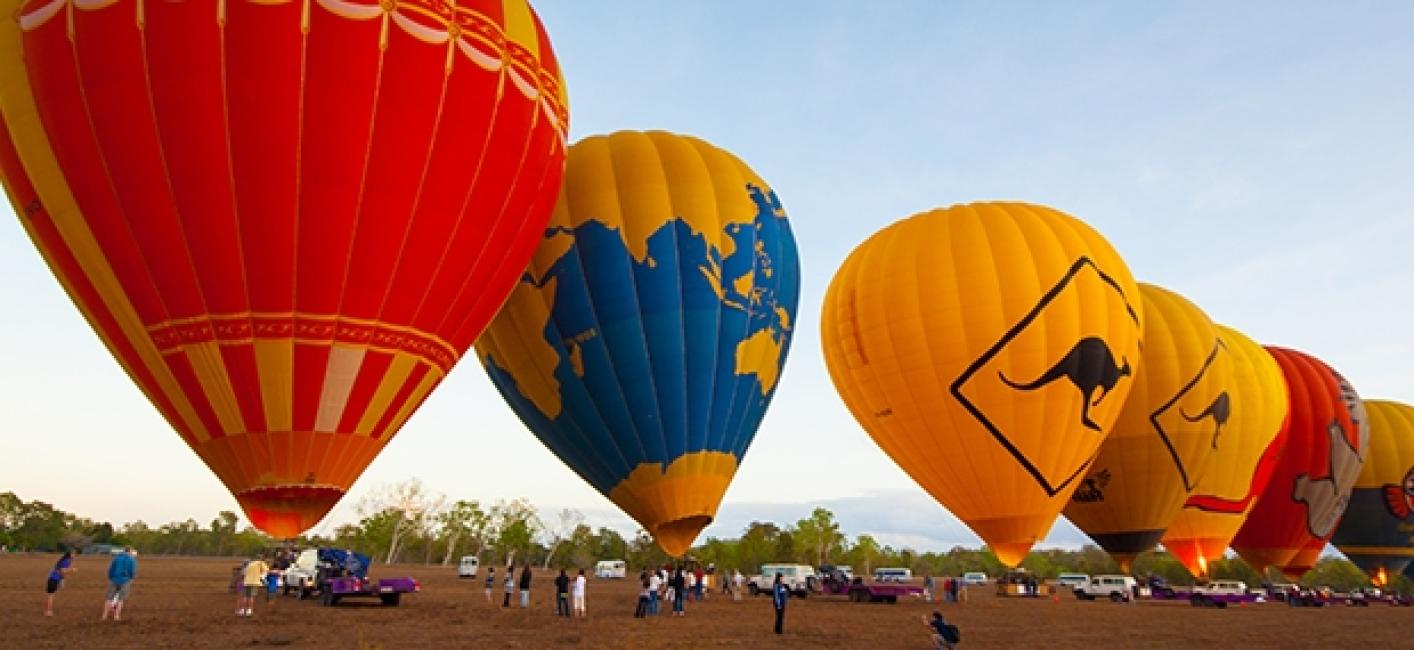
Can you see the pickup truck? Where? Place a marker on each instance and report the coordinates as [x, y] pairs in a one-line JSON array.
[[335, 574]]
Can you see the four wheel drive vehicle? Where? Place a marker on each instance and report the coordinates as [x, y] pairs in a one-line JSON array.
[[336, 574], [615, 569], [1115, 588], [838, 583], [893, 575], [829, 569], [1222, 587], [974, 578], [468, 566], [800, 579]]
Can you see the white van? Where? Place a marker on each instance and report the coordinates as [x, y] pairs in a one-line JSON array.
[[468, 567], [614, 569], [1072, 580], [893, 575], [1116, 588], [974, 578]]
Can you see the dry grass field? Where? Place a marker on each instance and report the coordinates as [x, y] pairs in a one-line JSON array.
[[184, 603]]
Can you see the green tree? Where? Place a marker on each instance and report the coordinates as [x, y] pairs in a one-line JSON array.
[[865, 554], [758, 545], [462, 521], [517, 525], [1339, 574], [223, 528], [818, 536]]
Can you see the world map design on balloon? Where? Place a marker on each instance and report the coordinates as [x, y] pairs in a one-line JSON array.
[[658, 346]]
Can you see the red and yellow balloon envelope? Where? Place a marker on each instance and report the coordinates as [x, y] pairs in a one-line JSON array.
[[1377, 533], [1243, 461], [1176, 414], [1329, 437], [647, 337], [287, 220], [987, 349]]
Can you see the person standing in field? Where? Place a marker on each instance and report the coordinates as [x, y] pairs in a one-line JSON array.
[[699, 583], [779, 595], [490, 582], [253, 580], [525, 586], [679, 585], [579, 584], [121, 573], [738, 583], [928, 587], [510, 584], [562, 594], [655, 584], [642, 609], [62, 568]]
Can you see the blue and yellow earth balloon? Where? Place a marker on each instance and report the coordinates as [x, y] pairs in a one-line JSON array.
[[646, 338]]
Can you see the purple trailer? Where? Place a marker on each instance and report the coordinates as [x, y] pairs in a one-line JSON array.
[[1200, 598], [863, 592], [388, 590]]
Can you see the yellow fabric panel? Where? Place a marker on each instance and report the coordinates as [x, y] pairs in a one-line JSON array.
[[1160, 445], [21, 118], [928, 320], [520, 25], [1391, 454], [388, 388], [274, 362], [215, 381], [680, 499], [1259, 409]]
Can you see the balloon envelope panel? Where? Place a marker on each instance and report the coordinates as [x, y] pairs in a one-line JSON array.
[[987, 349], [647, 337], [254, 204]]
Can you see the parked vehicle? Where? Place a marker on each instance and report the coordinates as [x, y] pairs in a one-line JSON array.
[[335, 574], [1119, 589], [1072, 580], [838, 583], [1224, 587], [893, 575], [800, 579], [468, 567], [974, 578], [611, 569], [1219, 593], [825, 570]]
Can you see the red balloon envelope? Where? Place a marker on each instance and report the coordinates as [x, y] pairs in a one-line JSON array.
[[1327, 438], [287, 220]]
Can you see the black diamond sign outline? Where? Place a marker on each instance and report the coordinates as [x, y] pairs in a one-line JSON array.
[[1218, 345], [956, 388]]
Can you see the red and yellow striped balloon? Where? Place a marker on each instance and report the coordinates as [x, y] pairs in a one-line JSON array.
[[286, 219]]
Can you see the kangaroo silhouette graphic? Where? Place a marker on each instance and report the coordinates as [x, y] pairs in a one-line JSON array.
[[1326, 498], [1220, 410], [1090, 366]]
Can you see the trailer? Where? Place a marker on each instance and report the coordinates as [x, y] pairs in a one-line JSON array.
[[335, 574], [387, 590], [859, 591], [1198, 597]]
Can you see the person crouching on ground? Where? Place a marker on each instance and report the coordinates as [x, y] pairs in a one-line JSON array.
[[121, 573], [944, 635], [253, 581], [62, 568]]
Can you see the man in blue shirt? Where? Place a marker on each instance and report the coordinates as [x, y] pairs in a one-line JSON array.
[[121, 572], [779, 595]]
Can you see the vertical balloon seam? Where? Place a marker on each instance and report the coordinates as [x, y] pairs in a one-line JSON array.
[[743, 390], [700, 152], [787, 290]]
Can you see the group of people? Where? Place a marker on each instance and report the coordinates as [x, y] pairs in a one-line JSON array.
[[675, 584], [951, 588], [567, 590], [121, 572]]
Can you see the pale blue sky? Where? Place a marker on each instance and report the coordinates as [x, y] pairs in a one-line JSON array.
[[1256, 157]]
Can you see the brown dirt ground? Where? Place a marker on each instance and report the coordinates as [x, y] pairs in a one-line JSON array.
[[183, 603]]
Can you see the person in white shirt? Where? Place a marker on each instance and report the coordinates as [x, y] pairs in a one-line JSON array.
[[578, 592], [737, 581], [655, 584]]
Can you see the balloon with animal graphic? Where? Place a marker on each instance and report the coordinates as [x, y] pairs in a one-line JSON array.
[[1243, 460], [987, 349], [1377, 533], [1176, 415], [647, 337], [1329, 438], [287, 221]]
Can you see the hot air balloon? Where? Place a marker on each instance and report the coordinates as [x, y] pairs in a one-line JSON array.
[[647, 337], [987, 349], [286, 220], [1176, 414], [1247, 452], [1377, 532], [1301, 505]]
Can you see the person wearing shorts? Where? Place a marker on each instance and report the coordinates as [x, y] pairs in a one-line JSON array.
[[121, 572], [62, 568], [253, 582]]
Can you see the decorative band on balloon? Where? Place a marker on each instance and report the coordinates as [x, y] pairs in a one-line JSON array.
[[170, 336], [479, 38]]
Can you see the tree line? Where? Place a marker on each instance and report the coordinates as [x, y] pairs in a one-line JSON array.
[[406, 523]]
